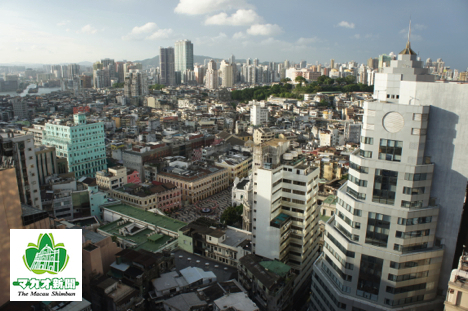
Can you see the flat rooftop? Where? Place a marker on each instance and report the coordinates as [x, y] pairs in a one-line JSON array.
[[148, 217], [235, 237], [152, 243]]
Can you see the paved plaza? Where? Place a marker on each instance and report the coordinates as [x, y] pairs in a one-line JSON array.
[[216, 203]]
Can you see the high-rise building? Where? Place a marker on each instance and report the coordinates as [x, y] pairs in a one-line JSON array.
[[183, 55], [46, 159], [73, 70], [135, 84], [391, 242], [286, 64], [86, 82], [258, 114], [199, 74], [18, 152], [284, 211], [101, 78], [20, 108], [332, 63], [81, 143], [384, 61], [167, 66], [227, 76], [211, 76], [14, 215]]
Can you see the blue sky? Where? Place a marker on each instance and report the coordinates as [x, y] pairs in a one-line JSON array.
[[56, 31]]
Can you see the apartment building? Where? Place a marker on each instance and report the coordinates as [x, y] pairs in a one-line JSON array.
[[112, 178], [284, 211]]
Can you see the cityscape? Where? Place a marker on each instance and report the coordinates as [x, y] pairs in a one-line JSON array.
[[302, 175]]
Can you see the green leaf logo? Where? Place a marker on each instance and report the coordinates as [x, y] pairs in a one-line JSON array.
[[46, 256]]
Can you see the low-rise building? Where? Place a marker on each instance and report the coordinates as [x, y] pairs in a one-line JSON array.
[[149, 197], [112, 178], [238, 165], [262, 135], [457, 293], [270, 282], [208, 238], [197, 182]]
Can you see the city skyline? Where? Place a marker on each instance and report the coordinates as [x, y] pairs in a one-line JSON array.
[[134, 30]]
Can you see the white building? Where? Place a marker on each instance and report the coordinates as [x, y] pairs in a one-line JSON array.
[[397, 217], [258, 114], [227, 75], [211, 77], [284, 210]]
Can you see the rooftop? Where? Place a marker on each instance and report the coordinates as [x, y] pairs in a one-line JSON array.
[[148, 217]]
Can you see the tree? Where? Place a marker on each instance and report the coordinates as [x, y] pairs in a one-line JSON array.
[[156, 87], [350, 79], [285, 80], [232, 215], [300, 80], [118, 85]]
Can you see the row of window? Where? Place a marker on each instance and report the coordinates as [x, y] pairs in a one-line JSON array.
[[329, 293], [409, 276]]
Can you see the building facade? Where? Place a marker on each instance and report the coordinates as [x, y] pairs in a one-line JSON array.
[[183, 57], [167, 66], [81, 143], [381, 248]]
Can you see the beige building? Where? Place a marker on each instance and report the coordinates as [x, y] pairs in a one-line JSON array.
[[238, 166], [457, 293], [97, 255], [262, 135], [113, 178], [196, 183]]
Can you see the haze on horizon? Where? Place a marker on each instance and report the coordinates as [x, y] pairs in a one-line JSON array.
[[268, 30]]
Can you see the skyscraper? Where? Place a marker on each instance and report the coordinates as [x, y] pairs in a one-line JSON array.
[[135, 83], [183, 56], [211, 76], [392, 240], [332, 63], [166, 65]]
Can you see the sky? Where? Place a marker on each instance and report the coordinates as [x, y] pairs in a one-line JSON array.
[[58, 31]]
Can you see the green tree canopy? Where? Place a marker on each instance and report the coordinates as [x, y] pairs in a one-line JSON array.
[[232, 215]]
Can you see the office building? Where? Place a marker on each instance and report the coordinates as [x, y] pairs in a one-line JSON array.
[[183, 50], [211, 76], [73, 70], [284, 211], [46, 160], [81, 143], [391, 242], [167, 66]]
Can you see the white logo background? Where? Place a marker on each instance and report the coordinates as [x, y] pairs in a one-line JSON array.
[[19, 240]]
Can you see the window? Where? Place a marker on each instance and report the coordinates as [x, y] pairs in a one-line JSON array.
[[355, 194], [415, 177], [360, 169], [378, 226], [385, 183], [409, 276], [409, 248], [414, 221], [365, 154], [357, 181], [390, 150], [370, 274], [412, 204], [414, 191], [410, 264], [367, 140]]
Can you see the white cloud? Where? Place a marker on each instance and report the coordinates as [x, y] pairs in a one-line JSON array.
[[211, 41], [160, 34], [264, 30], [239, 35], [346, 24], [148, 31], [63, 23], [241, 17], [88, 29], [371, 36], [197, 7], [420, 26], [305, 41], [357, 36]]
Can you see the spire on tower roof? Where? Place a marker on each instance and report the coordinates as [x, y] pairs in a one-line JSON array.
[[408, 50]]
